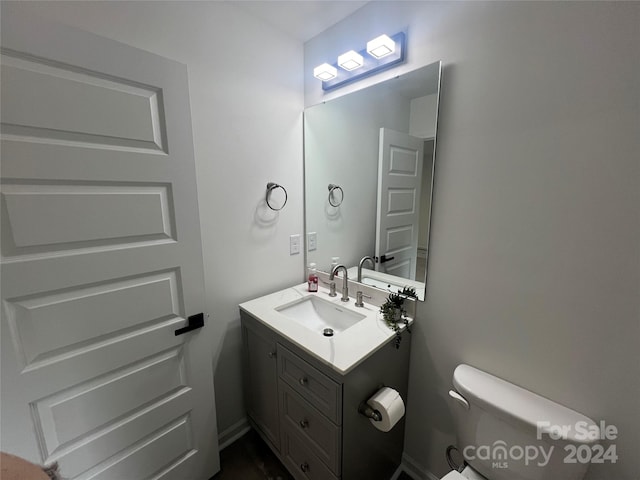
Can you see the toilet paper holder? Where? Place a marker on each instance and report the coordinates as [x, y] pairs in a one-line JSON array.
[[369, 412]]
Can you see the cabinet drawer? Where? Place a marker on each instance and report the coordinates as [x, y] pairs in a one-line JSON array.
[[301, 460], [322, 436], [314, 386]]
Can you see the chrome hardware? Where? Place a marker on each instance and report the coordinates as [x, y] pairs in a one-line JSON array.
[[271, 186], [345, 281], [460, 399], [369, 412], [333, 188], [359, 295], [332, 287]]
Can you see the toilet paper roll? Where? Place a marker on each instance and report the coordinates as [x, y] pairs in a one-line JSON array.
[[453, 475], [389, 403]]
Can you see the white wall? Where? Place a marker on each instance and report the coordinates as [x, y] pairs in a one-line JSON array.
[[534, 266], [247, 128]]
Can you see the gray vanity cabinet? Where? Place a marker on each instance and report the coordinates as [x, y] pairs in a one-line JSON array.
[[261, 384], [308, 413]]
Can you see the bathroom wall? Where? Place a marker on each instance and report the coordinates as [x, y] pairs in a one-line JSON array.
[[247, 127], [534, 266]]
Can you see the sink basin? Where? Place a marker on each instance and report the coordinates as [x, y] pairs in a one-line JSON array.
[[317, 314]]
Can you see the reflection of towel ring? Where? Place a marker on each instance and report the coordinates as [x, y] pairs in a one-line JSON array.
[[333, 187], [270, 187]]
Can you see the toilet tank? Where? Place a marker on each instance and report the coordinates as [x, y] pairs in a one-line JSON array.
[[508, 433]]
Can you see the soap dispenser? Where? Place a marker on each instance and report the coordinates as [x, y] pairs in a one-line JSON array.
[[312, 279]]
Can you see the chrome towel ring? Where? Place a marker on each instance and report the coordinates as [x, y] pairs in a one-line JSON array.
[[333, 188], [271, 186]]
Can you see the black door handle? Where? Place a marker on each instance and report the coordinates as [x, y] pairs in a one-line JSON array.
[[195, 321], [384, 258]]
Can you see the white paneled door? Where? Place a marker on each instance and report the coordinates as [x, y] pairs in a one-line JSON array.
[[101, 261], [399, 184]]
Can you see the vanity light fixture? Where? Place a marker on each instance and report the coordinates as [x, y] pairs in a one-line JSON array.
[[382, 52], [325, 72], [350, 60], [381, 46]]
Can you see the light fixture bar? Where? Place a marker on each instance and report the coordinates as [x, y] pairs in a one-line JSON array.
[[371, 65]]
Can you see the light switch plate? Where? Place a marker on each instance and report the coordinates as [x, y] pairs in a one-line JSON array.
[[312, 241], [294, 244]]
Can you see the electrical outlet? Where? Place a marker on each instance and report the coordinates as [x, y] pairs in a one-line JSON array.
[[294, 244], [312, 241]]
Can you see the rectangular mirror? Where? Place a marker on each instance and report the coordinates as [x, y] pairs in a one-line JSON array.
[[369, 160]]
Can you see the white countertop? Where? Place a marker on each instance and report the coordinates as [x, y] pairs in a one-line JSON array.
[[343, 351]]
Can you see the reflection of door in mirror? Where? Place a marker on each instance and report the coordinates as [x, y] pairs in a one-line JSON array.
[[398, 206]]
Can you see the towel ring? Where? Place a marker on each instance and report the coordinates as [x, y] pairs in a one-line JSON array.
[[333, 187], [271, 186]]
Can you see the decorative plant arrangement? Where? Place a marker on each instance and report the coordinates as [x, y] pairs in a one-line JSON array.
[[393, 311]]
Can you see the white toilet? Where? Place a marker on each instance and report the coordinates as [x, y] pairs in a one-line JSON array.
[[505, 432]]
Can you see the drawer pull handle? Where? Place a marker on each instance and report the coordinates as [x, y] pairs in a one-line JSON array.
[[272, 354], [304, 423], [304, 467], [304, 381]]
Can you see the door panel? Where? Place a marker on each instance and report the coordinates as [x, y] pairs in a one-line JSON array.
[[101, 260], [132, 211], [52, 326], [47, 112]]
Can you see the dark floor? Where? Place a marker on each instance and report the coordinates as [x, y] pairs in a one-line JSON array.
[[249, 458]]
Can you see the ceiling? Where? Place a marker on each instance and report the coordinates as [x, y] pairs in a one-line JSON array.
[[300, 19]]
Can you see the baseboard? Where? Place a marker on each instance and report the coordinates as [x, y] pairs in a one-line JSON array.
[[415, 470], [233, 433], [397, 473], [408, 465]]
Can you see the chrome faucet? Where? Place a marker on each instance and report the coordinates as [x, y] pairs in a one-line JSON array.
[[345, 281], [364, 259]]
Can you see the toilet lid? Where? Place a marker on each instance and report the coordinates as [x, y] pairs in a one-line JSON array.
[[453, 475], [467, 474], [470, 474]]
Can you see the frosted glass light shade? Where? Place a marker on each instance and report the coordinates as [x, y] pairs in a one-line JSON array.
[[350, 60], [325, 72], [381, 46]]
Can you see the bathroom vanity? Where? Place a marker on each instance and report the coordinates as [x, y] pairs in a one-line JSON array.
[[303, 390]]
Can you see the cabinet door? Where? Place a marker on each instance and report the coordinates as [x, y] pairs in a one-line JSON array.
[[262, 385]]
